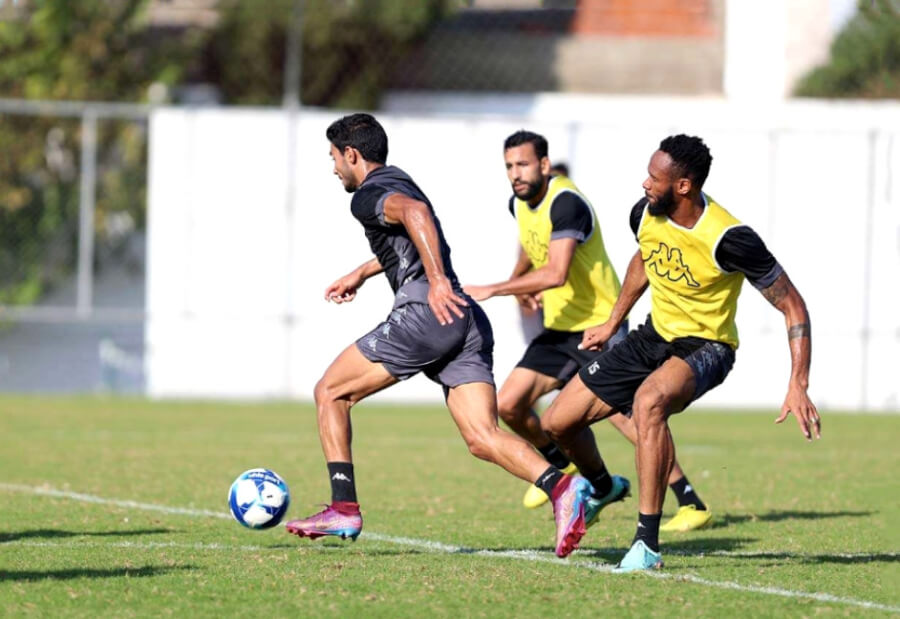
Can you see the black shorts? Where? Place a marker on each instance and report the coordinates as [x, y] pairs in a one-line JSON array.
[[412, 340], [556, 353], [615, 376]]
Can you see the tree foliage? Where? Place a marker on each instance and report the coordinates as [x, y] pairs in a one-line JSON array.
[[865, 57], [62, 50], [348, 48], [104, 50], [347, 52]]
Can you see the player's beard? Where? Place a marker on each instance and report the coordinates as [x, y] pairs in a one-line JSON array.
[[663, 204], [347, 181], [533, 189]]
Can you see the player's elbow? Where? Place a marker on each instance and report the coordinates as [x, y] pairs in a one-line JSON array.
[[554, 278], [794, 307]]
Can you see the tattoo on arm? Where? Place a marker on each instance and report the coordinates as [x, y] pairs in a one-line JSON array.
[[801, 330], [776, 293]]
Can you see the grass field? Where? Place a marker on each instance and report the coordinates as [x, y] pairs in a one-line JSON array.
[[117, 508]]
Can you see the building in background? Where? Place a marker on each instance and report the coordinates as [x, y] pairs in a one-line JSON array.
[[729, 48]]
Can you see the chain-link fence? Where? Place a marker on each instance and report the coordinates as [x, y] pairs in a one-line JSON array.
[[72, 256]]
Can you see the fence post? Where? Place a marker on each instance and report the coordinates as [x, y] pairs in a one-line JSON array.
[[867, 272], [85, 292]]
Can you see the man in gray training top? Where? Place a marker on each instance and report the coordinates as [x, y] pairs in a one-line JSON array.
[[433, 328]]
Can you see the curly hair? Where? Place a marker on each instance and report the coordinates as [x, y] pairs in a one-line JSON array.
[[690, 156]]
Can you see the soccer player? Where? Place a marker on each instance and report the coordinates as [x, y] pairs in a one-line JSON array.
[[694, 255], [432, 328], [560, 168], [563, 259]]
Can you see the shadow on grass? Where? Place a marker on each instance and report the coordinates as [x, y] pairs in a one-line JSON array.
[[811, 559], [56, 533], [699, 549], [372, 552], [694, 546], [777, 516], [70, 574]]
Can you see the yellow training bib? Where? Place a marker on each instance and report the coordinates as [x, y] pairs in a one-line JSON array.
[[690, 294], [591, 287]]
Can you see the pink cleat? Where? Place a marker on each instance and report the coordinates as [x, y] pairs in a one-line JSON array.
[[569, 498], [341, 519]]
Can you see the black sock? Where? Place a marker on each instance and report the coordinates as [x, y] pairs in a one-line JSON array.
[[648, 530], [554, 455], [548, 480], [602, 483], [343, 485], [685, 494]]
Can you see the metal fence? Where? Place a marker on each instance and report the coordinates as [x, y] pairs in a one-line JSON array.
[[73, 266]]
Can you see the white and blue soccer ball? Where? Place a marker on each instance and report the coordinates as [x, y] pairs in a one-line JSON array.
[[259, 498]]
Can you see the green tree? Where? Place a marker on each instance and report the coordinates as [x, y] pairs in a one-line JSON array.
[[348, 48], [102, 50], [63, 50], [865, 57]]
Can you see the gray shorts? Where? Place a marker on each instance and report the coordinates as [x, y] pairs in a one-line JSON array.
[[411, 340]]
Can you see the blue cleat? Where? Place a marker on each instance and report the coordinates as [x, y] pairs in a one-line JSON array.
[[638, 558], [621, 488]]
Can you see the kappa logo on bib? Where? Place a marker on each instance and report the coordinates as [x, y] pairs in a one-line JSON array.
[[669, 263]]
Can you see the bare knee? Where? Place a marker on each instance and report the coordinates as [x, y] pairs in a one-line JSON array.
[[327, 392], [511, 411], [323, 392], [552, 428], [649, 408]]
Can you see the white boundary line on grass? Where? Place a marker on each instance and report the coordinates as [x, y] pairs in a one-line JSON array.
[[430, 546]]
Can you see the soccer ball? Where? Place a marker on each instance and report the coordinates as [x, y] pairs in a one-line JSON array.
[[259, 498]]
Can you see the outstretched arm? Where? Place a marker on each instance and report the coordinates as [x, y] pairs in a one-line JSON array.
[[531, 282], [632, 288], [523, 265], [784, 296], [343, 290], [416, 217]]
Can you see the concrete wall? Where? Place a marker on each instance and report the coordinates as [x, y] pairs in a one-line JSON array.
[[237, 266]]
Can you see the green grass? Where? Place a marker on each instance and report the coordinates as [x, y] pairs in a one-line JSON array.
[[807, 521]]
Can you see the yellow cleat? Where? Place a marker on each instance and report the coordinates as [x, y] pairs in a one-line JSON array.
[[688, 518], [535, 497]]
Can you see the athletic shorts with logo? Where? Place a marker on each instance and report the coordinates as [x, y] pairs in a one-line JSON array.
[[412, 340], [615, 376], [556, 353]]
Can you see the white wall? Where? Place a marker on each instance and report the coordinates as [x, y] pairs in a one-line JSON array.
[[237, 268], [771, 44]]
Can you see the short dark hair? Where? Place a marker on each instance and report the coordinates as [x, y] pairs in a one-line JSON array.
[[527, 137], [560, 167], [362, 132], [690, 156]]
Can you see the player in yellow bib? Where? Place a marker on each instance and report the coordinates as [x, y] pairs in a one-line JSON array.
[[563, 261], [694, 257]]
